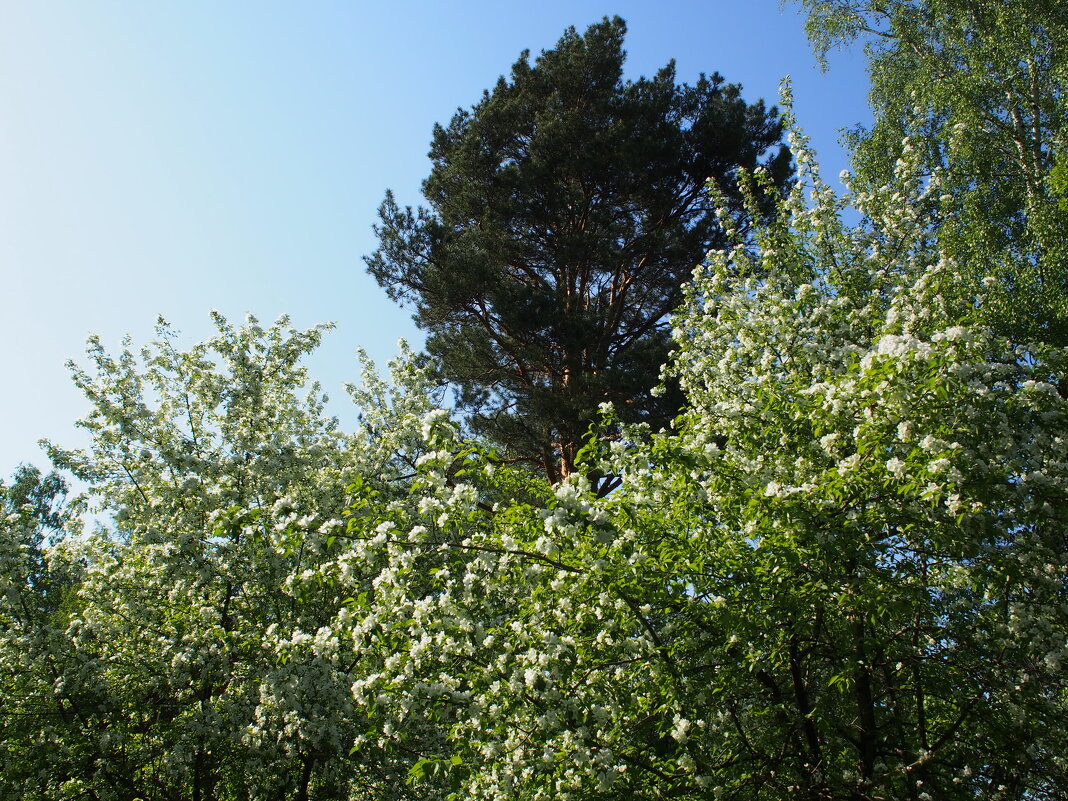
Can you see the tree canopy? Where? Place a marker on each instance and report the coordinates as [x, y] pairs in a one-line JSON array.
[[566, 210], [979, 89], [178, 661], [843, 574], [843, 577]]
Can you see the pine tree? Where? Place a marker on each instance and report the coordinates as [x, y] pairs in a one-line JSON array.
[[567, 208]]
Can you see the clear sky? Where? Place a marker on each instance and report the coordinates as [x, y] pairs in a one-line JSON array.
[[172, 158]]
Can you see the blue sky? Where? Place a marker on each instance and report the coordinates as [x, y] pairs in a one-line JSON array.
[[172, 158]]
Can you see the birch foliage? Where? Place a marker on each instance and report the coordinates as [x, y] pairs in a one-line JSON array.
[[980, 89]]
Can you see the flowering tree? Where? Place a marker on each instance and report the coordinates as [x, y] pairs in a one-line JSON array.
[[843, 577], [191, 657], [39, 673]]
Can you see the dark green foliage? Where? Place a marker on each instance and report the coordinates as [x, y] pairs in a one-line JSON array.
[[36, 706], [566, 209], [34, 507]]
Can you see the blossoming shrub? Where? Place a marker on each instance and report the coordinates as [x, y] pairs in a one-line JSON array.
[[885, 516], [194, 655], [843, 576]]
